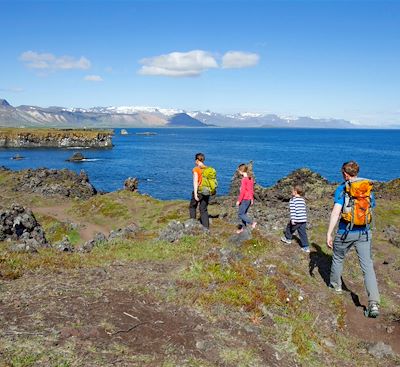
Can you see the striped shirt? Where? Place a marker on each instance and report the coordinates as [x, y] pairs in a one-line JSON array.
[[298, 210]]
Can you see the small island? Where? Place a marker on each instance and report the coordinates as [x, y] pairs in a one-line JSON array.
[[147, 133], [54, 138]]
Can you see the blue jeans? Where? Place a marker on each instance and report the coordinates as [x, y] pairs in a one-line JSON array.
[[301, 228], [362, 242], [243, 208]]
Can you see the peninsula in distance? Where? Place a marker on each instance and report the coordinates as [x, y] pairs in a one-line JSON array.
[[154, 117]]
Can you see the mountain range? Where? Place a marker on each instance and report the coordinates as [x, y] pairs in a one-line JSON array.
[[147, 117]]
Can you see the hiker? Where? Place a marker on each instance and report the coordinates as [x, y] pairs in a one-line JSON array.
[[245, 198], [298, 219], [353, 202], [204, 185]]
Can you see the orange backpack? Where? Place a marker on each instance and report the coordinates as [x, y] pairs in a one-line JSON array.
[[357, 202]]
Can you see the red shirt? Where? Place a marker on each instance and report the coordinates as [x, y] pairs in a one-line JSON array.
[[246, 189]]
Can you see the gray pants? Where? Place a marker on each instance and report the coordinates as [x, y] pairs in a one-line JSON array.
[[362, 242]]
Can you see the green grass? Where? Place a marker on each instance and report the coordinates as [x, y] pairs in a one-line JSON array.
[[240, 357], [12, 132], [55, 230], [14, 265]]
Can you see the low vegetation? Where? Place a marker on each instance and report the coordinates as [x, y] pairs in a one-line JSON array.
[[40, 133], [145, 302]]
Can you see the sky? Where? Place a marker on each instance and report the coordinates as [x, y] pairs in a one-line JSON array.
[[329, 59]]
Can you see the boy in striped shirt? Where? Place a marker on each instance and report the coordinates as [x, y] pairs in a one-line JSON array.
[[298, 219]]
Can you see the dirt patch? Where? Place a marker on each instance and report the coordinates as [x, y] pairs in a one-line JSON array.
[[86, 230], [100, 312]]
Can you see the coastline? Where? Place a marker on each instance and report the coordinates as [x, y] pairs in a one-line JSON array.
[[55, 138]]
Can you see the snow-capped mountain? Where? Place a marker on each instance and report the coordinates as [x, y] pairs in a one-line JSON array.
[[144, 116]]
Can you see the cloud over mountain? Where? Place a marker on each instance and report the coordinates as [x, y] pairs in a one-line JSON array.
[[239, 59], [193, 63], [178, 64], [50, 62]]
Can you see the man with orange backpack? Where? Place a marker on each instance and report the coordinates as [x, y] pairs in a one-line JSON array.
[[354, 201]]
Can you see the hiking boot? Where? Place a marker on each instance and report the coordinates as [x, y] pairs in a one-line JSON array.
[[305, 249], [285, 240], [337, 289], [372, 310]]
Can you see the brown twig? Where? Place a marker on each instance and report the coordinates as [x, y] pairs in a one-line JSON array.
[[128, 330]]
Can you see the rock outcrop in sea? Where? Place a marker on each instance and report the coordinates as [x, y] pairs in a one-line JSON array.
[[54, 138]]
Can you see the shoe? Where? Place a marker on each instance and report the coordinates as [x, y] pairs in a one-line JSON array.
[[337, 289], [284, 239], [372, 310], [305, 249], [253, 225]]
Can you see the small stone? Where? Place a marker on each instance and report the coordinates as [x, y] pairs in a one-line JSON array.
[[201, 345], [329, 343], [380, 350], [390, 329], [271, 269], [67, 332]]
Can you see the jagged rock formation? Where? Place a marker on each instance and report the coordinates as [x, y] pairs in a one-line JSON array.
[[131, 184], [19, 224], [100, 238], [50, 182], [314, 184], [124, 233], [76, 157], [175, 230]]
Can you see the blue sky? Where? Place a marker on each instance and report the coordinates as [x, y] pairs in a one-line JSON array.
[[323, 58]]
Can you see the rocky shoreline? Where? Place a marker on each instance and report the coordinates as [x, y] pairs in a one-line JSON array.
[[270, 208], [55, 138]]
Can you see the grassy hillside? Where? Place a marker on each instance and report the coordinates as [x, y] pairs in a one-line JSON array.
[[201, 301]]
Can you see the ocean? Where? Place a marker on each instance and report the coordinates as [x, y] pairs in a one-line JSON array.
[[163, 162]]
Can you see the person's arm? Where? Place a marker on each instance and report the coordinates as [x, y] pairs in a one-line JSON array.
[[292, 208], [241, 192], [195, 185], [251, 188], [335, 214]]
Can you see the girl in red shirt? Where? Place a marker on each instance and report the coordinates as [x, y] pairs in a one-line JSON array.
[[246, 197]]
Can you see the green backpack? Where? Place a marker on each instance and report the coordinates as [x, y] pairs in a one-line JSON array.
[[209, 182]]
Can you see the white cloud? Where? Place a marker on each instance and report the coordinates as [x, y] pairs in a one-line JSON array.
[[178, 64], [239, 59], [47, 61], [93, 78]]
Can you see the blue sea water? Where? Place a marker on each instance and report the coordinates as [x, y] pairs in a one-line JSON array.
[[163, 162]]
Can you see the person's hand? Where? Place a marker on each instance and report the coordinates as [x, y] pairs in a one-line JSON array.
[[252, 202], [329, 241], [196, 197], [237, 203], [293, 222]]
